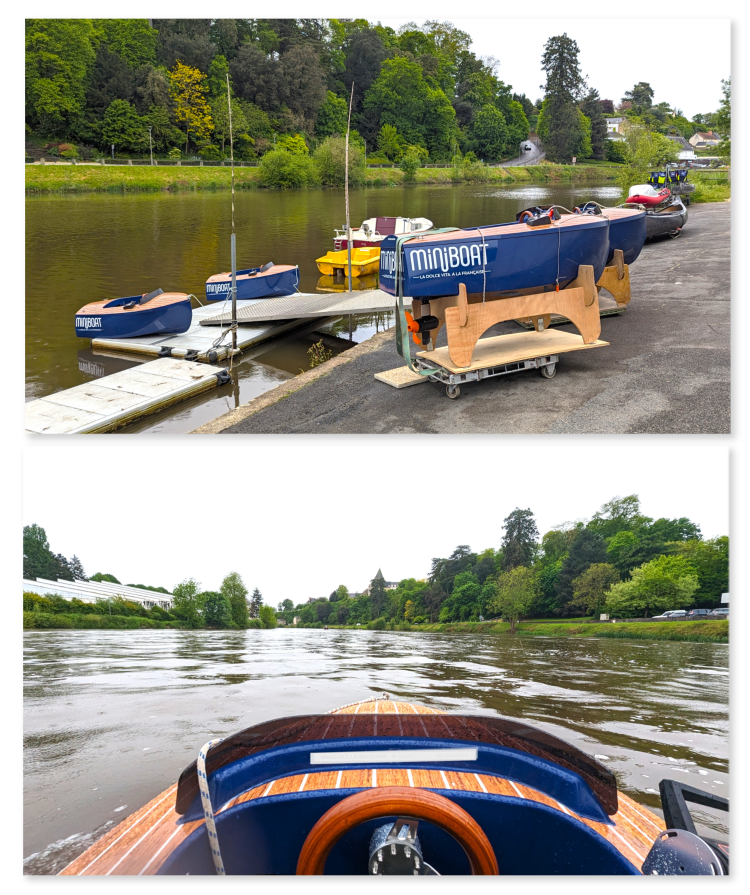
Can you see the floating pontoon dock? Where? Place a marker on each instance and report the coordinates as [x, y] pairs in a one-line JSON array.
[[113, 401], [116, 400], [197, 343]]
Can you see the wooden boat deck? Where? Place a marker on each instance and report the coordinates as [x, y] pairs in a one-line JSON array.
[[142, 842], [159, 301]]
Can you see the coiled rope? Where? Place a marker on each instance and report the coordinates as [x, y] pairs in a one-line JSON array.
[[208, 811]]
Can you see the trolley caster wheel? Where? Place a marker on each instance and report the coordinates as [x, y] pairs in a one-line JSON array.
[[453, 391], [548, 371]]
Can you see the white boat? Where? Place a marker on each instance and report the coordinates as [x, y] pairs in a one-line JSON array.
[[374, 230]]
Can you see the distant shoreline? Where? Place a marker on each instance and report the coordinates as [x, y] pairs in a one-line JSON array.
[[92, 178]]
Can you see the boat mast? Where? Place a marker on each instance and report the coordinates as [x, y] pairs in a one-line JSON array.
[[234, 242], [346, 192]]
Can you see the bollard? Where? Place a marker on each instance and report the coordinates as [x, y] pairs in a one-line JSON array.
[[179, 163], [41, 161], [200, 163], [130, 161]]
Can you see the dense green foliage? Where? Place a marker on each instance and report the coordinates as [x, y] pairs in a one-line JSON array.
[[96, 82], [619, 561]]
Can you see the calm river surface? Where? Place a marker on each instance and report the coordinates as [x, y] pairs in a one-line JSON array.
[[90, 247], [111, 718]]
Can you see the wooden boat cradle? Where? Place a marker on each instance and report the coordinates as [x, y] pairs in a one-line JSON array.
[[467, 317], [142, 842]]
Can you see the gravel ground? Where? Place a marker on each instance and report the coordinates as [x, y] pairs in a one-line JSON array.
[[667, 368]]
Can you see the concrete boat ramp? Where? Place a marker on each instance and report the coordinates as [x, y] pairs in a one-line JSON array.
[[180, 366]]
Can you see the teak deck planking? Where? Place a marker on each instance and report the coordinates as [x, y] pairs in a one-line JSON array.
[[142, 842]]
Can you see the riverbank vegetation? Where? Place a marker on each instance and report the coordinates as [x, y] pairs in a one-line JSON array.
[[231, 607], [44, 179], [620, 562]]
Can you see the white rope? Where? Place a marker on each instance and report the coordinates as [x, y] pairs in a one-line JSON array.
[[208, 812]]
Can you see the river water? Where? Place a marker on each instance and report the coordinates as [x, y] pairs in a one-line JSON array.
[[89, 247], [111, 718]]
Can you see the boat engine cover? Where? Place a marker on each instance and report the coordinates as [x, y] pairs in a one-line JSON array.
[[680, 853]]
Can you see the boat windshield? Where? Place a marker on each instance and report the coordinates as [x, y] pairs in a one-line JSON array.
[[490, 730]]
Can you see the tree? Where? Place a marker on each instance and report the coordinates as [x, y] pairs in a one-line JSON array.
[[667, 582], [515, 594], [590, 588], [592, 108], [489, 133], [645, 151], [217, 611], [377, 594], [185, 604], [559, 124], [256, 601], [587, 548], [519, 539], [617, 514], [286, 606], [390, 143], [104, 576], [463, 603], [332, 116], [134, 40], [640, 97], [302, 82], [267, 616], [38, 560], [409, 610], [124, 127], [220, 117], [76, 568], [192, 110], [364, 55], [341, 593], [710, 559], [234, 590], [59, 57], [723, 118]]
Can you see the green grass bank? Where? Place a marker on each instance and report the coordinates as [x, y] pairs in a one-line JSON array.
[[696, 632], [41, 179]]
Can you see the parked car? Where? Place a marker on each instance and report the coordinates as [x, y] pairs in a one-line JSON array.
[[722, 612], [699, 613], [671, 613]]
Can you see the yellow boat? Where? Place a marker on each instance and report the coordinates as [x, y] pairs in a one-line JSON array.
[[364, 261]]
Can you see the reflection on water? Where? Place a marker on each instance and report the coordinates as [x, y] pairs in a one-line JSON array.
[[89, 247], [111, 718]]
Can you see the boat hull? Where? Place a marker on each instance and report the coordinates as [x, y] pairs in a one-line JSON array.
[[266, 284], [91, 323], [364, 262], [669, 221], [627, 234], [515, 257]]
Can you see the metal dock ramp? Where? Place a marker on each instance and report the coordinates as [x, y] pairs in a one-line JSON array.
[[307, 305]]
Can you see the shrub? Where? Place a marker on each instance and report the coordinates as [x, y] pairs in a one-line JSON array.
[[411, 161], [281, 169], [67, 150], [377, 625], [267, 617], [174, 153], [330, 162], [615, 152], [254, 623], [293, 143], [209, 152], [319, 354]]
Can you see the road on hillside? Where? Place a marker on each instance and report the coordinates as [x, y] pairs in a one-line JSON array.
[[530, 157]]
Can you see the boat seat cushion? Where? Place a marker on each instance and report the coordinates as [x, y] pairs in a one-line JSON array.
[[267, 266]]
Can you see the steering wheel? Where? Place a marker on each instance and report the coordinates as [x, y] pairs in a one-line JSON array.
[[386, 801]]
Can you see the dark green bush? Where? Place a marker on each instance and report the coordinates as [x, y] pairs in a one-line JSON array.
[[283, 170]]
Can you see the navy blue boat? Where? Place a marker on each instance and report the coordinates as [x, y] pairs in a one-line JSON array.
[[502, 257], [135, 315], [269, 281], [627, 229], [393, 788]]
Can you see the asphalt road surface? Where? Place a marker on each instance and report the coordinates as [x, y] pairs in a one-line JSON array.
[[667, 369]]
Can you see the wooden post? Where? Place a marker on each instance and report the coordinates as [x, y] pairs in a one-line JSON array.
[[346, 191]]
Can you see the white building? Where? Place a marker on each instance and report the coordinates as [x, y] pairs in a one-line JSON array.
[[91, 591]]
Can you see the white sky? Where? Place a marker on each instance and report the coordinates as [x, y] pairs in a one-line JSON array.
[[298, 519]]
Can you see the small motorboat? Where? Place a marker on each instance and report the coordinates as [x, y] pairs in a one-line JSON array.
[[339, 284], [136, 315], [374, 230], [627, 229], [364, 261], [666, 221], [542, 250], [384, 788], [268, 281], [645, 194]]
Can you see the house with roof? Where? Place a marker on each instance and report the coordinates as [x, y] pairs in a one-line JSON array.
[[705, 140], [389, 585], [686, 151]]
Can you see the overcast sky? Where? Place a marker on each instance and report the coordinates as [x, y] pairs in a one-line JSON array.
[[297, 519], [614, 54]]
